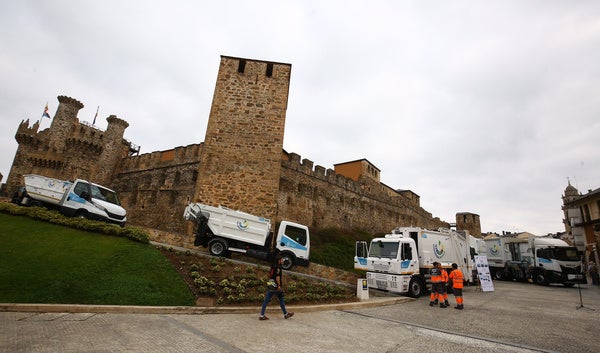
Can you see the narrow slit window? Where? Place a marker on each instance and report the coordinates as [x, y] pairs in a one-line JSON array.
[[269, 70], [242, 66]]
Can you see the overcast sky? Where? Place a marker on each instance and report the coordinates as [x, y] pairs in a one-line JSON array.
[[477, 106]]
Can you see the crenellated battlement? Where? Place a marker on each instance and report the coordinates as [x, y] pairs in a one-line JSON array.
[[160, 159], [72, 102], [114, 121], [321, 197], [86, 136], [28, 135], [307, 167], [25, 129]]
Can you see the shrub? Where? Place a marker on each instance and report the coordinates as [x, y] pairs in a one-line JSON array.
[[55, 217]]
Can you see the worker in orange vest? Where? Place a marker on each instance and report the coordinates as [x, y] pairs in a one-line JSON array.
[[436, 285], [457, 285], [444, 284]]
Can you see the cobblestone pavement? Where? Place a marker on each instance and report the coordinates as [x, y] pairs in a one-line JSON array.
[[516, 317]]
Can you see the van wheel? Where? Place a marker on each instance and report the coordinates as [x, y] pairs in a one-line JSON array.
[[415, 288], [217, 247], [287, 261], [81, 214]]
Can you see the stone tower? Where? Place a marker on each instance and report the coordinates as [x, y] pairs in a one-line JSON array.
[[64, 122], [114, 149], [469, 222], [240, 164]]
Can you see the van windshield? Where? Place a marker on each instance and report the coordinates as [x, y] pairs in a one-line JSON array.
[[104, 194], [384, 249]]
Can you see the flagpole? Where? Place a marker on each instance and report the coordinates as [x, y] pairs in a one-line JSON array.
[[95, 116]]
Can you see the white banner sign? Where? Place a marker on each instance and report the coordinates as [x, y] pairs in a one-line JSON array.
[[483, 272]]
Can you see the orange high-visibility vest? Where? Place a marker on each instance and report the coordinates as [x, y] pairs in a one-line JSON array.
[[457, 278], [444, 276], [436, 275]]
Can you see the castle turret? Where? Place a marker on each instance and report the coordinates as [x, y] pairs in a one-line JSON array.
[[469, 222], [63, 122], [113, 150]]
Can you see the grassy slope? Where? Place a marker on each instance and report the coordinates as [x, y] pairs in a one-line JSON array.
[[46, 263], [335, 248]]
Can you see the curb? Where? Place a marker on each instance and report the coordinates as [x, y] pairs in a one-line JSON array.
[[190, 310]]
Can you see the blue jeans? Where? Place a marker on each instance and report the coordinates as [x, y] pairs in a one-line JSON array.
[[268, 296]]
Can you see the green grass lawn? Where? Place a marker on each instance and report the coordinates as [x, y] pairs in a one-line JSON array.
[[47, 263]]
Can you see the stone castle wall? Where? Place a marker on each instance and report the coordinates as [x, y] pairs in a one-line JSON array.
[[321, 199], [155, 187]]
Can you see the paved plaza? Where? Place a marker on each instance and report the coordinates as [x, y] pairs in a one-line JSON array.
[[516, 317]]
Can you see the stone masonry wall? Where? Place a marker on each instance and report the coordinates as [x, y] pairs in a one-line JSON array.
[[156, 187], [321, 198]]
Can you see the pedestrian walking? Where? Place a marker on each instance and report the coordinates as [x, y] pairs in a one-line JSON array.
[[456, 277], [436, 286], [275, 288]]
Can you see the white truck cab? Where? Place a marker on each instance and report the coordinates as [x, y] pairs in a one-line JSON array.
[[400, 262], [79, 198]]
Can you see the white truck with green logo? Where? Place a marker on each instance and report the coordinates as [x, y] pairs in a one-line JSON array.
[[400, 262], [223, 230]]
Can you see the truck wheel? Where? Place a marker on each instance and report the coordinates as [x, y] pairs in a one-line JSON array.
[[287, 261], [217, 247], [415, 288], [498, 275], [540, 278]]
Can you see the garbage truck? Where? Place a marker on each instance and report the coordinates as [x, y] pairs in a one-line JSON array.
[[400, 262], [543, 260], [79, 198], [223, 230]]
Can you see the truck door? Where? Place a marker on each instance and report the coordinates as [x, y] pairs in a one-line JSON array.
[[408, 262], [360, 255]]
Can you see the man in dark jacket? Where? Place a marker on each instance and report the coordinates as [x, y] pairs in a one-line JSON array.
[[276, 275]]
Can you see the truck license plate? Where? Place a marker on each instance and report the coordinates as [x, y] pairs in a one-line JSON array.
[[381, 284]]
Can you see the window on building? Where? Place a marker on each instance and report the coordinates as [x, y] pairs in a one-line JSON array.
[[269, 70], [586, 213], [242, 66]]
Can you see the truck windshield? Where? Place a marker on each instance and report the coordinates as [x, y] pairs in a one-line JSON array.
[[565, 254], [103, 194], [383, 249]]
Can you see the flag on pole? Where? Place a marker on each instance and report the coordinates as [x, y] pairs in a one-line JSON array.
[[46, 112], [95, 116]]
